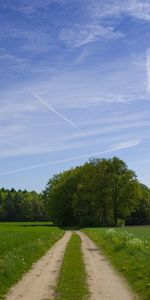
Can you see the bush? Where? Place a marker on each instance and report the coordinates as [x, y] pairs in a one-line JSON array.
[[120, 223]]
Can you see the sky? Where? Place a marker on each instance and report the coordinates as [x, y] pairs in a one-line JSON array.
[[74, 84]]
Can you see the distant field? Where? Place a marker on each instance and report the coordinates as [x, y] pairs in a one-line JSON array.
[[21, 244], [129, 251], [141, 232]]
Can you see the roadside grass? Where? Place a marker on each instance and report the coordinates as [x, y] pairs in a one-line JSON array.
[[47, 223], [72, 283], [128, 252], [22, 244]]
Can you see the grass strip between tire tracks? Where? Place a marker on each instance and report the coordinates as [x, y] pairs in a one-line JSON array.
[[72, 283]]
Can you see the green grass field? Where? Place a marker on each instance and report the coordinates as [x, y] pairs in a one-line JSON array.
[[129, 251], [72, 283], [141, 232], [21, 244]]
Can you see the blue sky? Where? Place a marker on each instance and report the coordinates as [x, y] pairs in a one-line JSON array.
[[74, 83]]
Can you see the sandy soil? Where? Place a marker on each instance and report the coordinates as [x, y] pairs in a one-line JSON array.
[[39, 283], [104, 282]]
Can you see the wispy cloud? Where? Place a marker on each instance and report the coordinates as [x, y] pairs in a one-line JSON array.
[[138, 9], [148, 70], [81, 35], [94, 66], [82, 57], [35, 40], [118, 118], [30, 7], [107, 130], [25, 149], [116, 147]]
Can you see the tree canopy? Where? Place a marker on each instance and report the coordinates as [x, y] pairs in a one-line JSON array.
[[99, 193], [102, 192], [22, 206]]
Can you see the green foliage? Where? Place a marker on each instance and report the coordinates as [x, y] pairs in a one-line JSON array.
[[141, 215], [99, 193], [102, 192], [59, 195], [20, 245], [72, 280], [128, 252], [22, 206], [120, 223]]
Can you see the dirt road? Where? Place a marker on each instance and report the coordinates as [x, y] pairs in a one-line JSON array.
[[104, 282], [40, 282]]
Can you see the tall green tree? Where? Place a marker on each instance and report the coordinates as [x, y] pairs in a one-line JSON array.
[[141, 215], [125, 191], [99, 193]]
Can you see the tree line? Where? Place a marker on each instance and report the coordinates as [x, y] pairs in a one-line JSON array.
[[20, 205], [102, 192]]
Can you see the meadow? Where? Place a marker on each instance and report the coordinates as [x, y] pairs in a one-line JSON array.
[[22, 244], [141, 232], [129, 251]]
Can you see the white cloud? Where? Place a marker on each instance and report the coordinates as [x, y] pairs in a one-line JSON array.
[[86, 138], [81, 35], [138, 9], [107, 130], [107, 9], [119, 81], [115, 118], [29, 149], [14, 106]]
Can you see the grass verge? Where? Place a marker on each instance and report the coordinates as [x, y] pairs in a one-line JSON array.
[[20, 247], [129, 254], [72, 283]]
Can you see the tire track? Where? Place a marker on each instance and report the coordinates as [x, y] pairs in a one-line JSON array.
[[104, 283], [40, 282]]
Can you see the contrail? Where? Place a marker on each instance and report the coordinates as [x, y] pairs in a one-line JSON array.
[[50, 108], [116, 147], [50, 163]]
